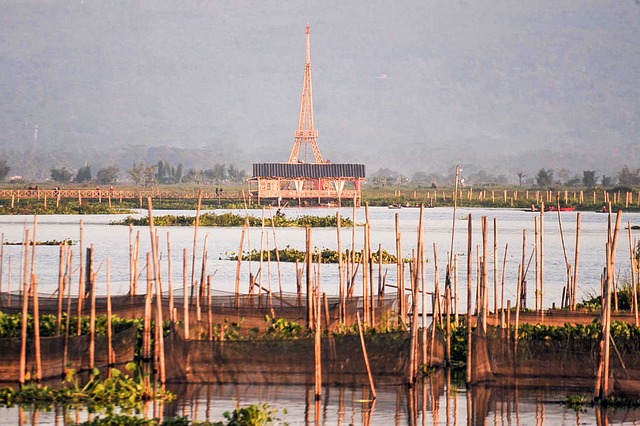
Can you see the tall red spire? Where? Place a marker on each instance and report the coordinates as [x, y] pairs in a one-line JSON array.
[[306, 132]]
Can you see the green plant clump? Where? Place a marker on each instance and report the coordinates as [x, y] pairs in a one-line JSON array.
[[119, 390], [289, 254], [231, 219], [251, 415]]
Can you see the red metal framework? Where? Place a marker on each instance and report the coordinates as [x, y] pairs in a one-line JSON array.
[[306, 133]]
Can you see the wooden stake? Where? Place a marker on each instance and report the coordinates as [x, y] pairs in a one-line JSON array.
[[61, 289], [634, 289], [574, 292], [195, 242], [170, 278], [36, 325], [366, 358], [25, 313], [158, 288], [469, 297], [185, 295], [110, 353], [244, 229], [341, 289], [81, 277]]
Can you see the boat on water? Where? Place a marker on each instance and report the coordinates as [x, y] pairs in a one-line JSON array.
[[562, 209], [395, 206]]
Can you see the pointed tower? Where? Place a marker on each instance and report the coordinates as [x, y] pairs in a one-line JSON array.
[[306, 133]]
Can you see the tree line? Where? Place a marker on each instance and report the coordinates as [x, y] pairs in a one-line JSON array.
[[162, 173], [544, 178]]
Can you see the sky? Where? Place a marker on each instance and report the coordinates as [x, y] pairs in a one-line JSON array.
[[413, 86]]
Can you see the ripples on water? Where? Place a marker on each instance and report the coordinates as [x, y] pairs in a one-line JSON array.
[[440, 400], [113, 242]]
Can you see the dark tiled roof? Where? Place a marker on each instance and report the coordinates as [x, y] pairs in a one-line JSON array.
[[308, 170]]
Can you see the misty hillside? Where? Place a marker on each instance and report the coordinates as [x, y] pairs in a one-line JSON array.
[[417, 85]]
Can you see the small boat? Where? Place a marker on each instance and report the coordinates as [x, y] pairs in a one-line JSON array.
[[562, 209], [395, 206]]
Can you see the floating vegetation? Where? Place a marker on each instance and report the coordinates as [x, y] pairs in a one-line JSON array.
[[250, 415], [11, 324], [119, 390], [37, 207], [231, 219], [289, 254], [65, 242]]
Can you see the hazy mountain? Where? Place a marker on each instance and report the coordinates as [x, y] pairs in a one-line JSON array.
[[417, 85]]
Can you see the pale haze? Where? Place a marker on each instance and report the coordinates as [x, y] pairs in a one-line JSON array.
[[413, 86]]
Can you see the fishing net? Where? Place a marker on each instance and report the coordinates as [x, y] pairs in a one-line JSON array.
[[53, 354]]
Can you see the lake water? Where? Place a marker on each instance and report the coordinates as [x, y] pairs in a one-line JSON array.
[[111, 241], [445, 402], [441, 400]]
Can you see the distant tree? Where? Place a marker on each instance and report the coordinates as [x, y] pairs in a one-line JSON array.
[[195, 176], [589, 178], [107, 175], [574, 181], [544, 178], [219, 173], [235, 174], [4, 169], [606, 181], [142, 174], [84, 174], [521, 175], [564, 176], [177, 174], [61, 175], [627, 177], [385, 177]]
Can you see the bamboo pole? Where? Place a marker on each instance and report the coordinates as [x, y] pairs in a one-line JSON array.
[[542, 259], [400, 272], [317, 344], [136, 257], [170, 278], [366, 358], [92, 321], [485, 271], [469, 298], [36, 326], [495, 268], [185, 295], [68, 321], [634, 289], [309, 264], [81, 277], [25, 313], [195, 246], [574, 291], [275, 244], [244, 229], [365, 271], [131, 269], [261, 257], [158, 288], [504, 267], [110, 353], [341, 289], [61, 274], [146, 333]]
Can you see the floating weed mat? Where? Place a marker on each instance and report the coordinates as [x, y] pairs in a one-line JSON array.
[[231, 219], [36, 207], [289, 254], [119, 390], [251, 415], [65, 242]]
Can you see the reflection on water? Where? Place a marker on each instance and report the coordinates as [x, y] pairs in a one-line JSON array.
[[441, 399]]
